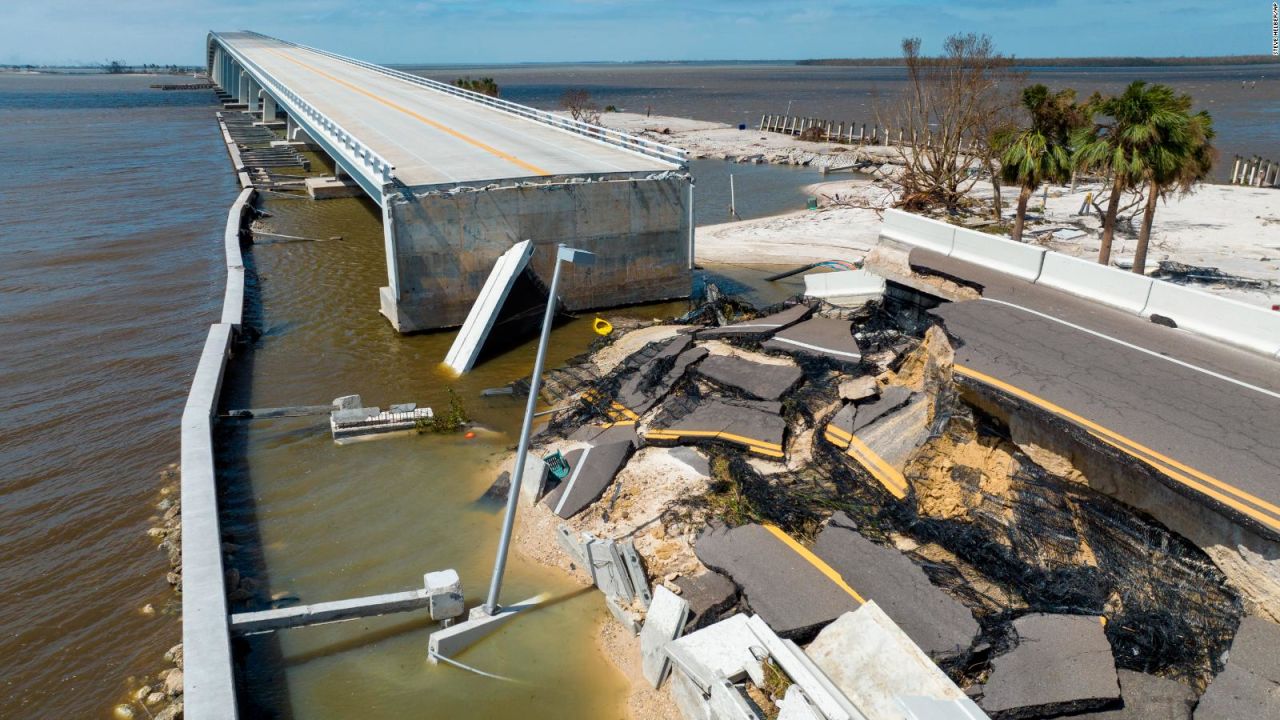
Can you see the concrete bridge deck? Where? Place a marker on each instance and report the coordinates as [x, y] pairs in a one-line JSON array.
[[429, 136]]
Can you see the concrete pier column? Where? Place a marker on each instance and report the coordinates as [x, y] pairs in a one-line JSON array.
[[242, 89], [268, 107]]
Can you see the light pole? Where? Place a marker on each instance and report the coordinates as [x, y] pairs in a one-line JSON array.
[[569, 255]]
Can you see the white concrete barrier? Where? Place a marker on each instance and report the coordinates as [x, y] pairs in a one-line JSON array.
[[1248, 326], [1006, 256], [1107, 285], [208, 675], [918, 231], [233, 298]]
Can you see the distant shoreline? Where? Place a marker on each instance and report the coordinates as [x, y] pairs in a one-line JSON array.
[[1116, 62]]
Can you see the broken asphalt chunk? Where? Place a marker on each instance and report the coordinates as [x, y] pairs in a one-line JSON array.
[[780, 582], [763, 381], [759, 327], [1249, 686], [592, 469], [1147, 697], [756, 430], [1062, 664], [818, 337], [942, 627], [709, 595]]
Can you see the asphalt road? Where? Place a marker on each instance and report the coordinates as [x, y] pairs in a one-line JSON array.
[[1206, 415], [432, 137]]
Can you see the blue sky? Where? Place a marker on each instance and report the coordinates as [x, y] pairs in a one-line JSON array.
[[501, 31]]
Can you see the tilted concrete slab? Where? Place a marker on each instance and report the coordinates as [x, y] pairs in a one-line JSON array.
[[593, 469], [663, 623], [883, 448], [819, 337], [874, 664], [484, 312], [1249, 686], [1061, 664], [723, 649], [942, 627], [759, 327], [1147, 697], [794, 592], [763, 381], [756, 430]]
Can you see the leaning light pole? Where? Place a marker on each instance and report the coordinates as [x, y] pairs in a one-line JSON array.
[[563, 254]]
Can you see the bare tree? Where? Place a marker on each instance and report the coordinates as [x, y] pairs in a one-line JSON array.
[[580, 106], [951, 106]]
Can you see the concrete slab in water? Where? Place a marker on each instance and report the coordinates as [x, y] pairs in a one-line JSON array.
[[819, 337], [874, 664], [941, 626], [1147, 697], [592, 470], [1249, 686], [762, 381], [785, 588], [663, 623], [475, 329], [1062, 664], [759, 327], [756, 430]]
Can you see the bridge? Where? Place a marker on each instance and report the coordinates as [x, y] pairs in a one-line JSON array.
[[462, 176]]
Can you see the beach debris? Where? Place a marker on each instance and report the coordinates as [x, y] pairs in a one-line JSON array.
[[1247, 687], [1183, 273], [943, 628], [1074, 670]]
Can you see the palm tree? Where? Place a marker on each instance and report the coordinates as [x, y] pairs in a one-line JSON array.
[[1152, 142], [1183, 156], [1040, 152]]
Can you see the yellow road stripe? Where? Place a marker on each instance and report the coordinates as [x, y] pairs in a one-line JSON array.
[[1160, 462], [757, 446], [880, 469], [443, 128], [815, 561]]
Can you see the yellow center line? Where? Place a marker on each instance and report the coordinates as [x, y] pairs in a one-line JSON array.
[[815, 561], [443, 128], [1134, 449], [879, 468]]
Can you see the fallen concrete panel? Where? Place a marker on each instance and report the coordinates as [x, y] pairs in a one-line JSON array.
[[803, 671], [719, 650], [1249, 686], [795, 706], [1062, 664], [762, 381], [441, 595], [942, 627], [709, 595], [874, 664], [795, 593], [1147, 697], [664, 623], [593, 469], [475, 329], [756, 430], [728, 703], [759, 327], [844, 287], [819, 337]]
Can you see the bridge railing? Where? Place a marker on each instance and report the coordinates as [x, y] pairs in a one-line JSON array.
[[598, 133], [345, 141]]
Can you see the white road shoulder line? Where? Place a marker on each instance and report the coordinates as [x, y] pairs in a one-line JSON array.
[[1139, 348], [582, 461]]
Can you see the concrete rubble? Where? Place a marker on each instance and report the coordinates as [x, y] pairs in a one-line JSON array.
[[349, 419], [1074, 670]]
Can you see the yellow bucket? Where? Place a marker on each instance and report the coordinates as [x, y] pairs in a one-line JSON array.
[[602, 326]]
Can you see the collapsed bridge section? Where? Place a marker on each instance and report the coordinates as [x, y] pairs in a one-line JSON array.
[[461, 177]]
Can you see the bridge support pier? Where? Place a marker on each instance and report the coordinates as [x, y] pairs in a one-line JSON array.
[[442, 241], [268, 107]]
